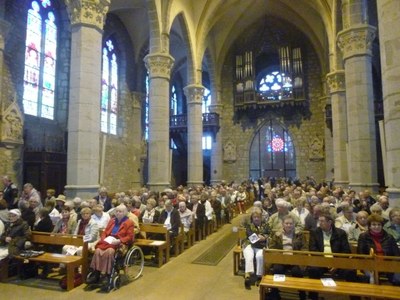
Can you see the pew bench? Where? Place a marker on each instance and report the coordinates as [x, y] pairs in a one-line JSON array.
[[361, 262], [71, 262], [161, 245], [342, 287], [237, 250]]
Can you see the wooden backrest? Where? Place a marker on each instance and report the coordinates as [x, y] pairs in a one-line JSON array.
[[318, 259], [241, 235], [50, 238], [155, 228], [389, 264]]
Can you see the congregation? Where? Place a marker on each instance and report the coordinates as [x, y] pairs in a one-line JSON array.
[[281, 211]]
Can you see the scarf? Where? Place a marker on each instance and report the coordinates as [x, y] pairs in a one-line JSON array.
[[82, 226], [377, 238]]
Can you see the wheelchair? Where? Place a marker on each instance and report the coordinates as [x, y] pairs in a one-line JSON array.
[[127, 267]]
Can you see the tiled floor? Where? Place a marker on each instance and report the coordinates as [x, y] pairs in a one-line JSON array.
[[179, 279]]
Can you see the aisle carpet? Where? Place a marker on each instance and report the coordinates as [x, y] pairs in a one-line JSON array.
[[213, 255]]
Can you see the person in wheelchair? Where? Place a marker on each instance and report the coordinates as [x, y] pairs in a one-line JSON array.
[[118, 235]]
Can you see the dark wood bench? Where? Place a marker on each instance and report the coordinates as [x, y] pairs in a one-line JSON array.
[[369, 262], [162, 245], [179, 241], [70, 261]]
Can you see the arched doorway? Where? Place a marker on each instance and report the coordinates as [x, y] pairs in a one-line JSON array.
[[272, 152]]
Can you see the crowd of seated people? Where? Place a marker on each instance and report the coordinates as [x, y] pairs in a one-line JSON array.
[[306, 205], [337, 220]]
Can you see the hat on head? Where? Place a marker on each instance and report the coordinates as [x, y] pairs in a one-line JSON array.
[[61, 197], [15, 211]]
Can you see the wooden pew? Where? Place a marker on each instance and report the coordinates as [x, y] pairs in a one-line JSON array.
[[179, 241], [335, 260], [162, 245], [191, 235], [70, 261], [238, 251]]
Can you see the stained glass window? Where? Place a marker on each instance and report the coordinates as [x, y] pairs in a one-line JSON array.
[[276, 86], [146, 110], [206, 101], [174, 101], [272, 152], [40, 60], [207, 142], [109, 89]]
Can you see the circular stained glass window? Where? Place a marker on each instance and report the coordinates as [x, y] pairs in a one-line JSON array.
[[277, 144]]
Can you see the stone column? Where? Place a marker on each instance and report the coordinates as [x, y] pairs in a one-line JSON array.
[[140, 147], [159, 66], [194, 95], [216, 151], [389, 40], [355, 41], [4, 29], [83, 162], [336, 84]]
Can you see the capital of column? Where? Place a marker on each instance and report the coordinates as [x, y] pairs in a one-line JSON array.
[[194, 93], [88, 12], [356, 41], [159, 65], [336, 81], [4, 29], [137, 99]]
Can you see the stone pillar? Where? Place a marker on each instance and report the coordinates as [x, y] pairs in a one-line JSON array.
[[83, 162], [336, 84], [159, 66], [389, 40], [327, 144], [216, 151], [4, 29], [138, 144], [194, 95], [355, 41]]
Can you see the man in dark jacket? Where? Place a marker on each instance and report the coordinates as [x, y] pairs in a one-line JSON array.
[[10, 192], [329, 239], [199, 212]]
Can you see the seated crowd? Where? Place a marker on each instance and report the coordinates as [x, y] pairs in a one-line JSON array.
[[118, 215], [336, 221], [281, 214]]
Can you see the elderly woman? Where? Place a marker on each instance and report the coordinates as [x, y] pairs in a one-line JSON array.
[[88, 228], [150, 214], [16, 233], [100, 217], [377, 239], [119, 233], [393, 226], [257, 233], [45, 224], [287, 239], [300, 211]]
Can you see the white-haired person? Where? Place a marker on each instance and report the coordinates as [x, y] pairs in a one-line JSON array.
[[15, 234], [99, 216], [275, 221], [257, 232], [119, 234]]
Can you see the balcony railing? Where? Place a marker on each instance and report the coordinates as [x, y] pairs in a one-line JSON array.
[[210, 122]]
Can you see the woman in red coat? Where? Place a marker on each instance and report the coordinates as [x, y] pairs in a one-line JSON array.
[[118, 233]]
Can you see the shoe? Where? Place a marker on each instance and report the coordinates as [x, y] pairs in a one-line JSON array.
[[93, 278], [247, 283], [105, 279]]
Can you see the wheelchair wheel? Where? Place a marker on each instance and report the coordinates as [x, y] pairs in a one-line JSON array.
[[134, 263], [116, 281]]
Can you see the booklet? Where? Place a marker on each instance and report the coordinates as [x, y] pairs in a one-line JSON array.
[[279, 277], [110, 239], [328, 282], [254, 238]]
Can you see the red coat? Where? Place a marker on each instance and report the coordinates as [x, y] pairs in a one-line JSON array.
[[125, 234]]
